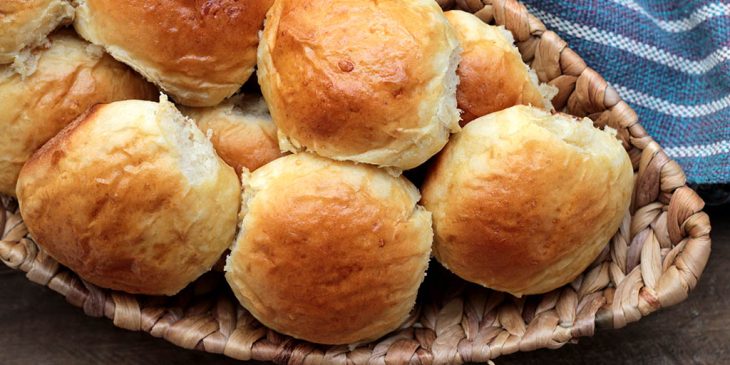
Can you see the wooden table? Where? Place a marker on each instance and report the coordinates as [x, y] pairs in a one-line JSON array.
[[37, 326]]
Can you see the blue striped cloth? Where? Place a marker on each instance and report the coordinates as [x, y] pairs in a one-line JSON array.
[[670, 60]]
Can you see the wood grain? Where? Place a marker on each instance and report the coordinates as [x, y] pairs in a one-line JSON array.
[[38, 327]]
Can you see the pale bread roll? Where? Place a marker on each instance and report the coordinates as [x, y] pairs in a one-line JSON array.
[[25, 24], [62, 80]]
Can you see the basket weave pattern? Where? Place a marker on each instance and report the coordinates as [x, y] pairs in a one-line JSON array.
[[652, 262]]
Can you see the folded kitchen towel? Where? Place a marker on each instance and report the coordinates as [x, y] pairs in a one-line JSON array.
[[670, 60]]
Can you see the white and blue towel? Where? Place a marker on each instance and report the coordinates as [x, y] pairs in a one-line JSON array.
[[670, 60]]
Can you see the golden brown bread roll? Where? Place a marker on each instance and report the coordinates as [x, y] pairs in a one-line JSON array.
[[491, 72], [241, 131], [523, 201], [366, 81], [200, 52], [60, 83], [25, 24], [131, 197], [329, 252]]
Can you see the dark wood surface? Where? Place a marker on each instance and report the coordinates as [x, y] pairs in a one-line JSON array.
[[37, 326]]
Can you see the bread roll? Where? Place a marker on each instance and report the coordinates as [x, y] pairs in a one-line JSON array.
[[200, 52], [366, 81], [131, 197], [492, 74], [241, 131], [523, 201], [26, 23], [329, 252], [61, 82]]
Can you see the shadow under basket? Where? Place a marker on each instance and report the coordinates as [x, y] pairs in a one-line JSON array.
[[652, 262]]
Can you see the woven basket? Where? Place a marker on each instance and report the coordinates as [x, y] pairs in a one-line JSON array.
[[652, 262]]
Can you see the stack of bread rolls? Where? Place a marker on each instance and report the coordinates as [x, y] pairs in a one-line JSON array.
[[138, 164]]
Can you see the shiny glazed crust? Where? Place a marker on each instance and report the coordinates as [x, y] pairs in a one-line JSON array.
[[200, 52], [131, 197], [329, 252], [491, 72], [524, 201], [358, 80]]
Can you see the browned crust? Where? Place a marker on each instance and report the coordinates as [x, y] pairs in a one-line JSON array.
[[492, 76], [205, 48], [535, 216], [352, 79], [58, 142], [323, 256], [108, 199]]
